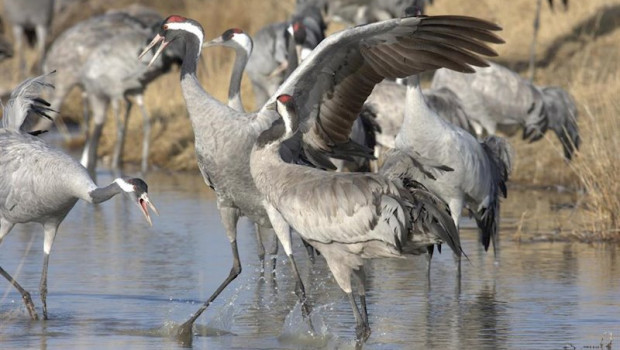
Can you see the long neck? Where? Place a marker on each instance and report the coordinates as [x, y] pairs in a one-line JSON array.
[[268, 169], [419, 118], [192, 51], [234, 89], [203, 108], [102, 194]]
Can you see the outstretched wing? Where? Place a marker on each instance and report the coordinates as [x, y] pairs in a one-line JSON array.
[[25, 99], [332, 84]]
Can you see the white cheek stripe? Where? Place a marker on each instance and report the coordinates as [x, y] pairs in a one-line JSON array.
[[244, 41], [285, 116], [124, 185], [188, 27]]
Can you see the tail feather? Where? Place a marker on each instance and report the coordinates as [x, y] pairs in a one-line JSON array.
[[430, 214], [500, 154], [26, 99]]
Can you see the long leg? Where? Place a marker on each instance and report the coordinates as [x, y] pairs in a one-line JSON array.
[[456, 208], [89, 154], [41, 32], [261, 247], [85, 112], [230, 217], [283, 232], [50, 234], [5, 228], [361, 331], [309, 250], [18, 34], [361, 289], [146, 133], [533, 44], [274, 255], [429, 256], [121, 131]]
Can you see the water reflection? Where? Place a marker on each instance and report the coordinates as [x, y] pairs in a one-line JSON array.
[[116, 283]]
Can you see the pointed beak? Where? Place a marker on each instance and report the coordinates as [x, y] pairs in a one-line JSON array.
[[271, 106], [214, 42], [158, 38], [144, 202]]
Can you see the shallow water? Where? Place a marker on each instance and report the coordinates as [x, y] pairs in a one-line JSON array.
[[114, 282]]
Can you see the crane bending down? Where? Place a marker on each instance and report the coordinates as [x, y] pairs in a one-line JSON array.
[[41, 184], [498, 99], [347, 217], [321, 85]]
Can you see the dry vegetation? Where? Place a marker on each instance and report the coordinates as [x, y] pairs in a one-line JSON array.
[[578, 50]]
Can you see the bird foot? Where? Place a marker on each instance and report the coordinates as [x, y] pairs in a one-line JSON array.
[[185, 333], [30, 306], [362, 332]]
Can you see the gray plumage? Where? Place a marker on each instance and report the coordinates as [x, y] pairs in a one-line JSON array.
[[39, 183], [387, 99], [478, 175], [111, 74], [365, 131], [224, 137], [71, 49], [108, 72], [498, 99], [29, 19], [357, 12], [347, 217], [267, 66]]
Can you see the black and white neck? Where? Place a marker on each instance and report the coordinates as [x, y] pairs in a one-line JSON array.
[[282, 128], [242, 44], [102, 194], [193, 35]]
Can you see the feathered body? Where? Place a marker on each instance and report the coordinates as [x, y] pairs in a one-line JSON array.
[[387, 100], [478, 176], [498, 99], [39, 183]]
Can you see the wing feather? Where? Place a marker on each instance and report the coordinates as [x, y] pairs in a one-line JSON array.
[[332, 84]]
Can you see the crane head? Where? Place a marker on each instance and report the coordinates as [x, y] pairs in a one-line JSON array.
[[137, 189], [234, 38], [172, 28]]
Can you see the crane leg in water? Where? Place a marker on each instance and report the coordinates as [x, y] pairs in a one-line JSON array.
[[5, 228], [146, 133], [50, 233], [230, 217], [283, 232]]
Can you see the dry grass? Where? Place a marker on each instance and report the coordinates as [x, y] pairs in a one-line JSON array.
[[578, 50]]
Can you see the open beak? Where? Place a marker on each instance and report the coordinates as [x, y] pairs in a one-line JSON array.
[[158, 38], [214, 42], [271, 107], [144, 202]]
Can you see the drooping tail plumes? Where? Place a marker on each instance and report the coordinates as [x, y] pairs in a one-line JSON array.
[[431, 214], [25, 99], [500, 154], [562, 115]]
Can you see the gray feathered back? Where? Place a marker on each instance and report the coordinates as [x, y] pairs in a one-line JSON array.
[[449, 106], [24, 100]]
